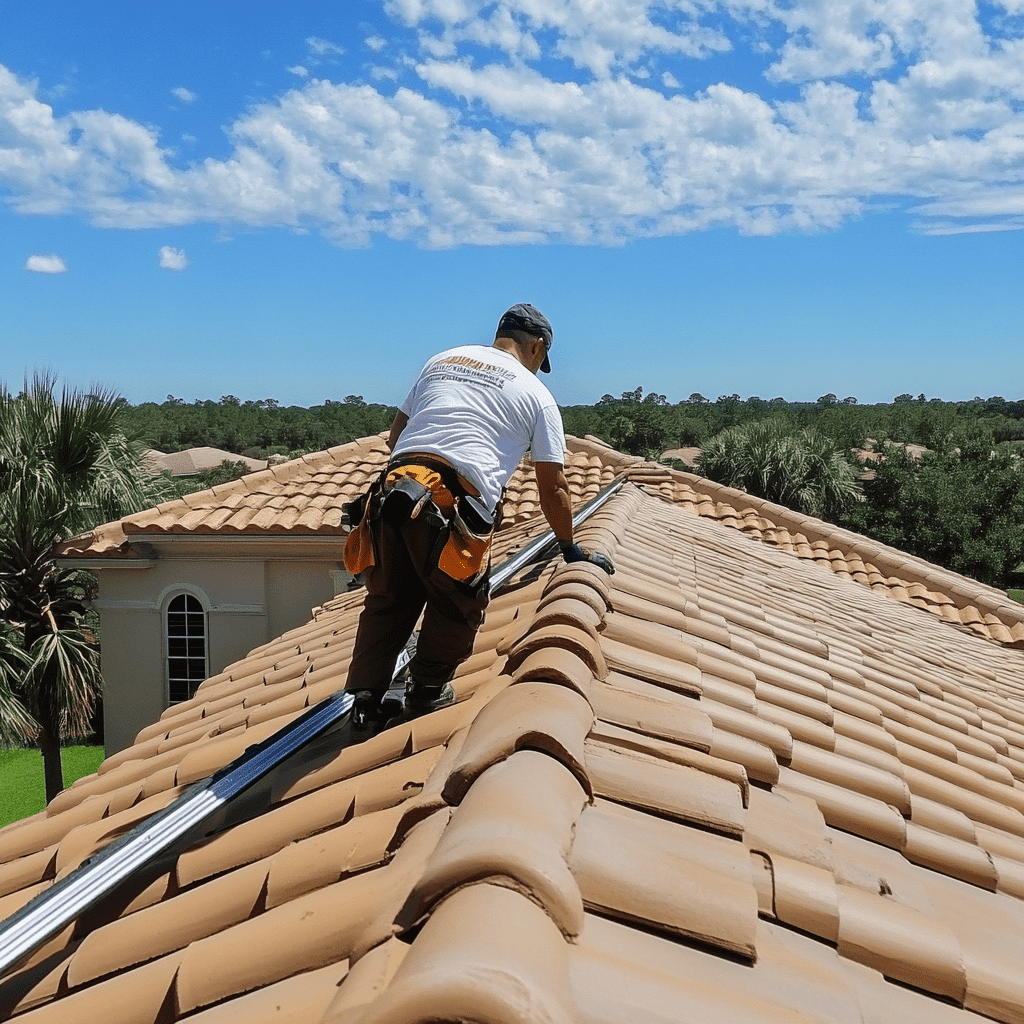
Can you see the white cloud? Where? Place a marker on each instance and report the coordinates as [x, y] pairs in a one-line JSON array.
[[868, 37], [46, 264], [376, 43], [299, 71], [323, 47], [602, 36], [185, 95], [893, 103], [959, 228], [173, 259]]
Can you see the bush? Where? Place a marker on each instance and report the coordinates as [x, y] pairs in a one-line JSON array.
[[962, 509], [796, 467]]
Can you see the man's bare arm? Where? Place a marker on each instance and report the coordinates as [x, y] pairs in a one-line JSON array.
[[556, 503], [398, 424], [555, 500]]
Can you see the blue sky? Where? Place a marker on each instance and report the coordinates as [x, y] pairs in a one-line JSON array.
[[302, 201]]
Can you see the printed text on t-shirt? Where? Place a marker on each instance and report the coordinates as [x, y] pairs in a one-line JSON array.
[[469, 369]]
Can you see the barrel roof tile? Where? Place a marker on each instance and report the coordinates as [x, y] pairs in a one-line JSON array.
[[724, 778]]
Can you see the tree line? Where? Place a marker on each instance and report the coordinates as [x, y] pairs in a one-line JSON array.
[[636, 423], [256, 429], [648, 424], [960, 505]]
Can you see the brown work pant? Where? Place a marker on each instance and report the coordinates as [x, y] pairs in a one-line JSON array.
[[404, 582]]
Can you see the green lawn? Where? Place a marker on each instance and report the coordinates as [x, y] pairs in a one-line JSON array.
[[21, 778], [1017, 595]]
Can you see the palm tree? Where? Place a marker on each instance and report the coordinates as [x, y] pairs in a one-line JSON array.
[[774, 459], [65, 466]]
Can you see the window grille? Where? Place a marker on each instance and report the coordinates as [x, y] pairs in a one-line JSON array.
[[186, 647]]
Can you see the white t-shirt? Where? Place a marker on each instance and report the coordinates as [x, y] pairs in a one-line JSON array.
[[481, 409]]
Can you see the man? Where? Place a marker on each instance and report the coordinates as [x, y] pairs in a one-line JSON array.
[[456, 440]]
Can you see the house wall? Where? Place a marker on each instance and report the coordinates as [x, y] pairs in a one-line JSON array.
[[248, 602], [292, 590], [131, 656]]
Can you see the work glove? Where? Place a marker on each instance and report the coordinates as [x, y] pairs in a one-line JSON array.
[[574, 553]]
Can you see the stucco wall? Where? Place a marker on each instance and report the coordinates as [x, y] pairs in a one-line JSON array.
[[292, 590], [248, 602], [131, 660]]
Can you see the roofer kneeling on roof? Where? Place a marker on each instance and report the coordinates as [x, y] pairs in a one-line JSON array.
[[423, 539]]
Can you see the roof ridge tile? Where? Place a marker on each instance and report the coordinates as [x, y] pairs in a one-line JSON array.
[[495, 834], [456, 971], [537, 715]]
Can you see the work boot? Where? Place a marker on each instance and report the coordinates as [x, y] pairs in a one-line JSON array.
[[421, 700], [370, 712]]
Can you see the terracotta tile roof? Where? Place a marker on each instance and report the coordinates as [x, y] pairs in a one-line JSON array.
[[904, 578], [720, 784], [305, 497], [195, 460]]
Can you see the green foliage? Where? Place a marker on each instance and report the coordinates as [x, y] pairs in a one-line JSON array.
[[16, 724], [255, 426], [796, 467], [962, 508], [63, 674], [841, 423], [634, 423], [66, 464], [689, 431]]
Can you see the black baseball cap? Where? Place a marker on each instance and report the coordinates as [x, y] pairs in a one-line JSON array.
[[524, 317]]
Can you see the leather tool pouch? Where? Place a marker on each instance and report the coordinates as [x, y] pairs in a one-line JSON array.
[[394, 498], [359, 554], [472, 514], [352, 512], [466, 554], [456, 534]]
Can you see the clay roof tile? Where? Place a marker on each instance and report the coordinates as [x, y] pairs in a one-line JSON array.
[[814, 777], [695, 885]]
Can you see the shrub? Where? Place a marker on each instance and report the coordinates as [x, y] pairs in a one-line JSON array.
[[796, 467]]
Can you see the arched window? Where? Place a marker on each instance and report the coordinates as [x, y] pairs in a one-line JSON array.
[[186, 647]]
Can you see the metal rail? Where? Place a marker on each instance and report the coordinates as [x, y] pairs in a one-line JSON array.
[[65, 901], [189, 817], [511, 566]]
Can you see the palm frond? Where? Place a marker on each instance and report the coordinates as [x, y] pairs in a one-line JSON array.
[[63, 681], [775, 459], [16, 724], [66, 462]]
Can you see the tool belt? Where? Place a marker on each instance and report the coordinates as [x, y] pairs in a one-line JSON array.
[[418, 486]]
